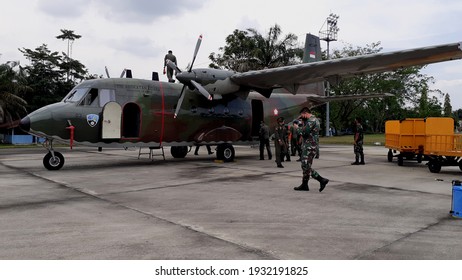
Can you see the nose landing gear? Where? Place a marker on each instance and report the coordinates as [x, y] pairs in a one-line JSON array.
[[52, 160]]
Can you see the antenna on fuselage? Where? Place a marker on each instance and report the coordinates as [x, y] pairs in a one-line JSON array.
[[123, 73], [107, 72]]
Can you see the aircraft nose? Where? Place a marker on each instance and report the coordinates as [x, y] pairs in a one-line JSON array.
[[24, 125]]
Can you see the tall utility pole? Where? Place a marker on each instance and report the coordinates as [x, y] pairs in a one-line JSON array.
[[329, 34]]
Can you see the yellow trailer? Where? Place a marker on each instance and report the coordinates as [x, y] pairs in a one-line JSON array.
[[406, 137], [442, 146]]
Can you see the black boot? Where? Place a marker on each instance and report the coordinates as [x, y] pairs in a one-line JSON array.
[[362, 160], [303, 186], [323, 182], [356, 162]]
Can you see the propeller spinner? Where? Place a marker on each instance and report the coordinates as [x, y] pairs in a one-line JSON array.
[[188, 78]]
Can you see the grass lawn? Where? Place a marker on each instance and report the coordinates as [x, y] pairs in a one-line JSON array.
[[8, 146], [369, 139]]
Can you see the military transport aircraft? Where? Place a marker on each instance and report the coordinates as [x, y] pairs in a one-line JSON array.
[[210, 106]]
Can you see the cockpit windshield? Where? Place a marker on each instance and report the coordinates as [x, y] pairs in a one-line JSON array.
[[75, 95]]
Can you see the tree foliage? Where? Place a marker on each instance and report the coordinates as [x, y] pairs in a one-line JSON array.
[[447, 108], [47, 79], [249, 50], [409, 87], [51, 75], [12, 106]]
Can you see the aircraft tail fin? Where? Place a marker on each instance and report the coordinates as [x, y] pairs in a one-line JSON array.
[[312, 53]]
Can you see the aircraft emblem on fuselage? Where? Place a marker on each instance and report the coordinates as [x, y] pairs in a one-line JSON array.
[[92, 120]]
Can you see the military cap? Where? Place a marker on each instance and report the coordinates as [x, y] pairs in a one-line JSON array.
[[280, 119]]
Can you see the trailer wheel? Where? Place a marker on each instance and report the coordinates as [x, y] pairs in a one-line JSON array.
[[400, 160], [419, 158], [390, 156], [434, 166]]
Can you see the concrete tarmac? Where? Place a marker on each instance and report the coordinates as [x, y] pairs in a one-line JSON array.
[[112, 205]]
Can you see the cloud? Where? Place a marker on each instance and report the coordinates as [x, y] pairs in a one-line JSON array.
[[137, 46], [59, 8], [145, 11]]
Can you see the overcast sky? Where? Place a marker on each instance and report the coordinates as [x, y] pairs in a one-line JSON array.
[[136, 34]]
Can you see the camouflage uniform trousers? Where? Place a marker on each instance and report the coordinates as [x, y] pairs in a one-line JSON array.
[[358, 149], [307, 160]]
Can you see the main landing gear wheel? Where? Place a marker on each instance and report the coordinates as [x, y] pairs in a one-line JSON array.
[[53, 163], [225, 152], [179, 151]]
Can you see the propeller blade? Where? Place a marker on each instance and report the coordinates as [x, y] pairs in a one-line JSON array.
[[201, 89], [172, 64], [187, 78], [180, 100], [198, 44], [107, 72]]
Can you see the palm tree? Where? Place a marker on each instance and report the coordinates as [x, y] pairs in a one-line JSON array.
[[69, 36], [249, 50], [12, 107], [272, 52]]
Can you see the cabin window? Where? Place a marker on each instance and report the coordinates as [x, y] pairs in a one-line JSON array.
[[105, 96], [75, 95], [90, 98]]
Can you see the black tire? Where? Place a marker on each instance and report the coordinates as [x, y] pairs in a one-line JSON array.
[[460, 165], [400, 160], [225, 152], [390, 156], [55, 163], [434, 166], [179, 151]]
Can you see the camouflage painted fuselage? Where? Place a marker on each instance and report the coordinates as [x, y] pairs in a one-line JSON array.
[[140, 113]]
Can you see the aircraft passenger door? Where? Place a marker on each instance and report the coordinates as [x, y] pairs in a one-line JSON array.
[[112, 121]]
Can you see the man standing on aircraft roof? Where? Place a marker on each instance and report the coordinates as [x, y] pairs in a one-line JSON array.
[[309, 130], [358, 143], [280, 141], [264, 141], [167, 68]]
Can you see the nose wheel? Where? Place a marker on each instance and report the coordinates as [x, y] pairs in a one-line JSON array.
[[53, 160]]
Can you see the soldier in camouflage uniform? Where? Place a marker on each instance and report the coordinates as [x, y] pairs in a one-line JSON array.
[[309, 130], [358, 143], [280, 142]]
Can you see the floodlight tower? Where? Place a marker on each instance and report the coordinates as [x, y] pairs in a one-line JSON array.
[[329, 34]]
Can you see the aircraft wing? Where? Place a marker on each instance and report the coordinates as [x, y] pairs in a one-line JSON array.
[[319, 100], [291, 77]]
